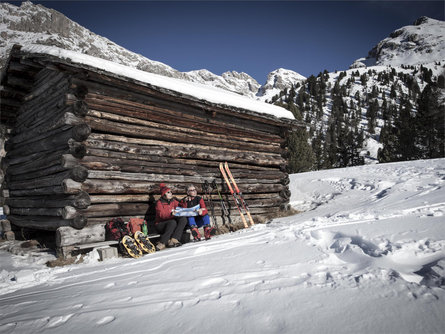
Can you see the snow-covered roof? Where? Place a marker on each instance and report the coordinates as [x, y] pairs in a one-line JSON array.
[[196, 90]]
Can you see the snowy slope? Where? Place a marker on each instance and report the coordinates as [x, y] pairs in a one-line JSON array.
[[420, 43], [366, 256]]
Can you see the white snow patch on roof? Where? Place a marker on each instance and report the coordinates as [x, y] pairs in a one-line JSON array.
[[196, 90]]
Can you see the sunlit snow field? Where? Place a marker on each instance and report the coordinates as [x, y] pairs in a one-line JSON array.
[[366, 256]]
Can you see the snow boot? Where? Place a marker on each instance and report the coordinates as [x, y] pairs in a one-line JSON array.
[[160, 246], [209, 231], [173, 243], [195, 233]]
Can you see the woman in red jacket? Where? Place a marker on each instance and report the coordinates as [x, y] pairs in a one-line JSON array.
[[169, 226]]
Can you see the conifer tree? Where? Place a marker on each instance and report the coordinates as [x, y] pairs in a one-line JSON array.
[[301, 157], [406, 132], [430, 123]]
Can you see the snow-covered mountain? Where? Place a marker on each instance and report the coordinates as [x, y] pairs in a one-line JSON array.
[[36, 24], [346, 111], [420, 43], [277, 81]]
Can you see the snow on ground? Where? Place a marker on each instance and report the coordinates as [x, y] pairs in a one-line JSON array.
[[366, 256]]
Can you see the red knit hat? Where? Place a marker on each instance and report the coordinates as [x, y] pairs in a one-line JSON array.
[[163, 188]]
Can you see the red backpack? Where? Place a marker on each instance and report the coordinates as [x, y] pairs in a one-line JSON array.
[[115, 229], [135, 224]]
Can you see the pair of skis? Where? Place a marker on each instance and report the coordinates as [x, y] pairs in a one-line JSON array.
[[236, 193]]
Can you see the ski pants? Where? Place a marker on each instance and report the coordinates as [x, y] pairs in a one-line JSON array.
[[172, 228], [199, 220]]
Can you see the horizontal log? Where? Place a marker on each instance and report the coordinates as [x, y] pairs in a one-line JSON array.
[[59, 141], [78, 174], [44, 84], [41, 110], [28, 163], [169, 160], [187, 106], [181, 115], [97, 186], [172, 178], [47, 223], [146, 198], [48, 112], [65, 121], [81, 201], [117, 209], [54, 212], [68, 236], [40, 162], [68, 186], [185, 169], [67, 212], [219, 154], [186, 134]]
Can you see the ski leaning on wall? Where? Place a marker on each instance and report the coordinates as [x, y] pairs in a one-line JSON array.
[[237, 195]]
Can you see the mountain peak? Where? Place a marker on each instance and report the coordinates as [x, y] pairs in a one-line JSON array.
[[420, 43], [421, 20]]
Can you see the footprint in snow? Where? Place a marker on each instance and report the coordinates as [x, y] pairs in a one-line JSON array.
[[105, 320], [58, 321]]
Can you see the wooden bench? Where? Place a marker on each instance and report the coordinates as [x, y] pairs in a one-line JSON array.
[[66, 251], [107, 243]]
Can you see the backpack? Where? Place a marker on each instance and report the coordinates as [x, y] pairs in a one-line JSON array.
[[135, 224], [115, 229]]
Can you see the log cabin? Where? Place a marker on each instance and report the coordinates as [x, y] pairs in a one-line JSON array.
[[89, 140]]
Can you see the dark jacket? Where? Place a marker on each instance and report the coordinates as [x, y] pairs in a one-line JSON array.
[[195, 201]]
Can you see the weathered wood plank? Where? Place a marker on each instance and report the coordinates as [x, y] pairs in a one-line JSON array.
[[81, 201], [201, 153], [187, 134], [47, 223]]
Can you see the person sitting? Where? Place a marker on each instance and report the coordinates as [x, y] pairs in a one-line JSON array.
[[168, 226], [202, 219]]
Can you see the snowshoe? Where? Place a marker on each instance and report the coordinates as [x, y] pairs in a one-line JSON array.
[[131, 247], [195, 233], [209, 231], [144, 242]]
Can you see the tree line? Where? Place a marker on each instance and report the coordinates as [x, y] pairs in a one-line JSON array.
[[401, 111]]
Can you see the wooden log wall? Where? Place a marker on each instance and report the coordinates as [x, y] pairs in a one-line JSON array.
[[43, 149], [141, 137], [87, 147]]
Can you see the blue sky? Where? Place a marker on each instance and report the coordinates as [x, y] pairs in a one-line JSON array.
[[255, 37]]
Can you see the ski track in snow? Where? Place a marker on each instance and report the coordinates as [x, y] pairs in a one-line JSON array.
[[376, 232]]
